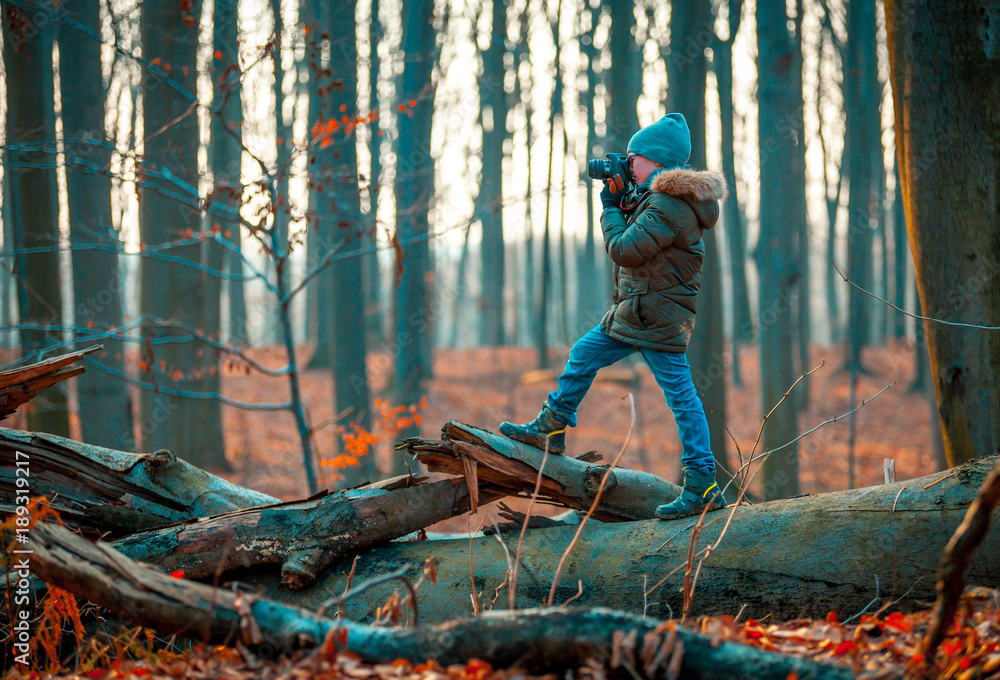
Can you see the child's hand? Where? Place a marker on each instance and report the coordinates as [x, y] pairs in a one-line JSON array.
[[612, 187]]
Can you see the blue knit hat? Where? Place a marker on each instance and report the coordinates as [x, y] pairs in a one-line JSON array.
[[667, 141]]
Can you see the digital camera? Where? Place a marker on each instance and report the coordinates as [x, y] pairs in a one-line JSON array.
[[606, 168]]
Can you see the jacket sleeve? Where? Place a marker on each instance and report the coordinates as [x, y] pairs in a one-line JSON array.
[[654, 229]]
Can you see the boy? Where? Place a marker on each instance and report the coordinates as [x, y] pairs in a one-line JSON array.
[[653, 234]]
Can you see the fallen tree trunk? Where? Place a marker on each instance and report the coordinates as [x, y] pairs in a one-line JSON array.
[[540, 640], [302, 536], [796, 557], [104, 491], [570, 482]]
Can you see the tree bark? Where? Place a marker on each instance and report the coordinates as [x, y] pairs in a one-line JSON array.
[[29, 159], [489, 203], [372, 277], [169, 211], [774, 251], [346, 296], [104, 405], [732, 220], [104, 491], [861, 136], [322, 236], [570, 482], [796, 557], [945, 70], [304, 537], [414, 195], [540, 639]]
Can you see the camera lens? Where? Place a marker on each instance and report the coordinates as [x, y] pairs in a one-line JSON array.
[[598, 168]]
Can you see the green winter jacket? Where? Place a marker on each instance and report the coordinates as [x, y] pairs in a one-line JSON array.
[[658, 250]]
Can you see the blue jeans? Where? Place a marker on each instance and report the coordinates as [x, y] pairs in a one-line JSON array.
[[596, 349]]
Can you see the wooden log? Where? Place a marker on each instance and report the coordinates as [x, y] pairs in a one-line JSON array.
[[542, 640], [801, 556], [19, 385], [571, 482], [302, 536], [111, 492]]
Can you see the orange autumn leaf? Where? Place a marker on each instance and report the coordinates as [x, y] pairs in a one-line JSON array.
[[844, 647], [899, 622]]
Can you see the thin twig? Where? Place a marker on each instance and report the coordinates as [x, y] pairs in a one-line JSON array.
[[350, 580], [951, 474], [810, 431], [506, 552], [579, 592], [867, 606], [760, 432], [472, 570], [524, 527], [911, 314], [689, 564], [892, 602], [370, 583], [593, 506], [897, 498]]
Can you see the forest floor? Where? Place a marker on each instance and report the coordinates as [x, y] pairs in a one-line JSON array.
[[485, 386]]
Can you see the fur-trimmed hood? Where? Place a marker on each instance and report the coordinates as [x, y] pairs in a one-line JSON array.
[[702, 189], [700, 185]]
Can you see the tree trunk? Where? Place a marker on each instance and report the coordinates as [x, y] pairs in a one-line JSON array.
[[168, 212], [900, 259], [105, 409], [7, 282], [226, 154], [324, 173], [624, 81], [797, 557], [687, 69], [539, 640], [592, 286], [799, 215], [304, 537], [346, 295], [861, 137], [29, 168], [207, 420], [489, 204], [104, 491], [369, 262], [946, 88], [281, 216], [774, 254], [732, 220], [414, 194]]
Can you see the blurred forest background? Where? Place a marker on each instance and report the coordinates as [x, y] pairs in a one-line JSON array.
[[301, 229]]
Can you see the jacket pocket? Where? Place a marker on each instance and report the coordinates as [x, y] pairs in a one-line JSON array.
[[629, 286]]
